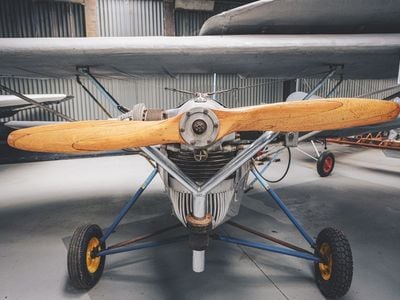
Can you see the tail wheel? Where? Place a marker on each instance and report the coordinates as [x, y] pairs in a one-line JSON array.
[[325, 163], [335, 271], [84, 266]]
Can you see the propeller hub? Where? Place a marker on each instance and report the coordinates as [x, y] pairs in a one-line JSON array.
[[199, 127]]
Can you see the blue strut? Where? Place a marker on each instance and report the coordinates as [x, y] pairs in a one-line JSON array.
[[265, 247], [128, 205], [282, 205], [144, 245]]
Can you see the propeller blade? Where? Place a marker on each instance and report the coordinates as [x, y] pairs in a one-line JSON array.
[[308, 115], [89, 136], [106, 135]]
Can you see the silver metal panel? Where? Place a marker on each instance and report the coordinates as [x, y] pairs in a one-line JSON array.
[[307, 16], [130, 18], [363, 56]]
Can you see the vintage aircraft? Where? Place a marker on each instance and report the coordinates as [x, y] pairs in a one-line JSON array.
[[325, 159], [197, 148]]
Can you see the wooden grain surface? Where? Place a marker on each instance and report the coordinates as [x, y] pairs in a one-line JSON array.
[[294, 116], [310, 115], [89, 136]]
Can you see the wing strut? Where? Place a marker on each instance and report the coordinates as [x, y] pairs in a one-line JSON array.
[[321, 83], [78, 80], [335, 87], [85, 71]]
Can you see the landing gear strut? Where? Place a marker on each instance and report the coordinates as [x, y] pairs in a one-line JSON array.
[[330, 253], [325, 160]]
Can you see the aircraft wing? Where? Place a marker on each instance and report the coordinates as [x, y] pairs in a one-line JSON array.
[[10, 104], [11, 101], [276, 56], [307, 16]]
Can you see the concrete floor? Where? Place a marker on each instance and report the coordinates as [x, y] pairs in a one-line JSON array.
[[42, 203]]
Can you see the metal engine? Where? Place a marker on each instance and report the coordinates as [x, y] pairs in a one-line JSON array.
[[200, 163], [223, 202]]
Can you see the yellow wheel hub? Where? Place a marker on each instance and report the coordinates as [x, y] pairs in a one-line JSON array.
[[325, 267], [92, 263]]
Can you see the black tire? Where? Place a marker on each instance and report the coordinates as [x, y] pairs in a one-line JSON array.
[[325, 163], [334, 275], [81, 274]]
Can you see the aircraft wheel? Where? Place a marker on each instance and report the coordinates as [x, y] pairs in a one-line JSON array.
[[84, 267], [334, 273], [325, 163]]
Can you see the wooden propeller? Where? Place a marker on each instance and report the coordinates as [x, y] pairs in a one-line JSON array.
[[307, 115]]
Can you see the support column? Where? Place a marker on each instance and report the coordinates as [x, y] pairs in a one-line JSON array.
[[91, 18], [169, 18]]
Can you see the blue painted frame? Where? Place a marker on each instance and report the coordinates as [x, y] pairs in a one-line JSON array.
[[128, 205], [227, 239], [265, 247]]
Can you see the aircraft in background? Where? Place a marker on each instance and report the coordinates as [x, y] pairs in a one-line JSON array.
[[201, 156], [10, 104]]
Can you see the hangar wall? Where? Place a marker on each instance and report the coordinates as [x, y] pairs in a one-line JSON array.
[[353, 88], [27, 18], [22, 18]]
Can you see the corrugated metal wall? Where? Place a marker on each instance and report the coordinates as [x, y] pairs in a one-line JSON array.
[[352, 88], [130, 18], [190, 22], [150, 91], [26, 18], [21, 18]]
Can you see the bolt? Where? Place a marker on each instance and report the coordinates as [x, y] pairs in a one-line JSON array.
[[205, 111], [188, 114], [182, 129], [199, 126]]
